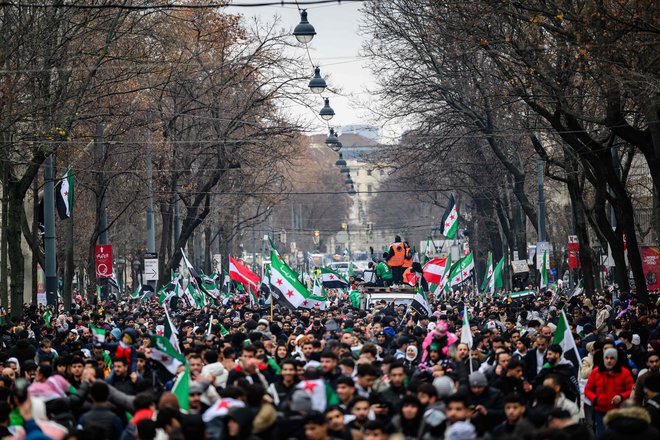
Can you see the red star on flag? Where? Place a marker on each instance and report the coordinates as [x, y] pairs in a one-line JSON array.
[[66, 193], [451, 217], [465, 273], [290, 293], [305, 303], [309, 386], [332, 277], [279, 282], [317, 305], [166, 358], [223, 404], [447, 225]]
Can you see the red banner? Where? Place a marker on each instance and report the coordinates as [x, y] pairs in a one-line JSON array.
[[103, 256], [651, 266], [573, 252]]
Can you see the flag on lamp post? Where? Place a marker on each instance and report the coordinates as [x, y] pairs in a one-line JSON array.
[[544, 271]]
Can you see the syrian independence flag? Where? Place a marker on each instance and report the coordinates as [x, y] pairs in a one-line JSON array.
[[162, 351], [286, 288], [221, 408], [466, 330], [489, 273], [97, 333], [449, 223], [112, 281], [320, 394], [318, 299], [544, 271], [241, 274], [521, 294], [578, 289], [462, 270], [564, 338], [181, 389], [64, 196], [191, 270], [265, 280], [137, 293], [332, 280], [169, 291], [434, 270], [210, 285], [420, 304], [170, 332]]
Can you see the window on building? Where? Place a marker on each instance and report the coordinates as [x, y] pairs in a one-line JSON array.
[[368, 172], [382, 172], [369, 189]]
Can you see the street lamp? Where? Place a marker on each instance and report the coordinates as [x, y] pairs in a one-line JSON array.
[[317, 83], [327, 112], [352, 191], [340, 162], [348, 180], [304, 32], [344, 170], [332, 138]]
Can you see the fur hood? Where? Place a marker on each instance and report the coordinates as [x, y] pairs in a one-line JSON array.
[[634, 412], [264, 418]]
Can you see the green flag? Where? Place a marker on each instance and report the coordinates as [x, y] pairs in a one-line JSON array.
[[496, 283], [97, 333], [489, 273], [544, 271], [223, 330], [163, 352], [181, 389], [354, 296], [98, 294], [47, 316]]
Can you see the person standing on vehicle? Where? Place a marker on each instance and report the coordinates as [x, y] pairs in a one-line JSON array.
[[397, 259]]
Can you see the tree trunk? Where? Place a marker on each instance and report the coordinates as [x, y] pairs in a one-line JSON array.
[[578, 209], [165, 239], [14, 237], [207, 251], [67, 285]]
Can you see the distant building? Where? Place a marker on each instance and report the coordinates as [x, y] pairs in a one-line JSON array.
[[357, 150], [367, 131]]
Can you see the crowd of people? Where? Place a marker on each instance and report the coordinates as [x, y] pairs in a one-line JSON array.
[[267, 372]]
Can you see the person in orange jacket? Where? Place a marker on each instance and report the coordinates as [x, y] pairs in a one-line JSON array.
[[398, 258]]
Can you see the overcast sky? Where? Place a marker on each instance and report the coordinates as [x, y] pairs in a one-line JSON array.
[[336, 49]]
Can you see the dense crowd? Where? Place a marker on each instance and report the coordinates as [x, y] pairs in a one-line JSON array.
[[266, 372]]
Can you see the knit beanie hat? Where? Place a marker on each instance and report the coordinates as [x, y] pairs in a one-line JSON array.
[[612, 353]]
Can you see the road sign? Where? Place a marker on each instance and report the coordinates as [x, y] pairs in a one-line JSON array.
[[151, 266], [103, 258]]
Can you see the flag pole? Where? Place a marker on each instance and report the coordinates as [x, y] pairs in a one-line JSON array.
[[271, 306]]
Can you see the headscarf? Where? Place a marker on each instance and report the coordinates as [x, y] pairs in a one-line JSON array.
[[413, 348]]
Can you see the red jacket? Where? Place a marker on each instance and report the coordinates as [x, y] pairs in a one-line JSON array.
[[603, 386]]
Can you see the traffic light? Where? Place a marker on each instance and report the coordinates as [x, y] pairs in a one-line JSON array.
[[317, 233]]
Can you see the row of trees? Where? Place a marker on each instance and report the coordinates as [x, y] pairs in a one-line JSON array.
[[490, 86], [200, 88]]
